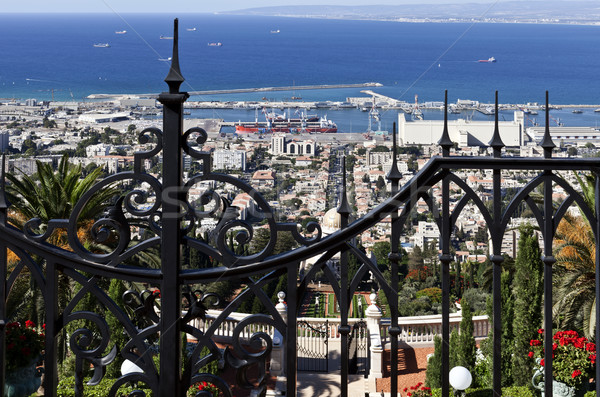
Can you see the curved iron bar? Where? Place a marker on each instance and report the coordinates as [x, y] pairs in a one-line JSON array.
[[426, 177]]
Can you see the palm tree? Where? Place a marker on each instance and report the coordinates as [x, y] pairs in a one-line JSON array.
[[50, 194], [575, 297]]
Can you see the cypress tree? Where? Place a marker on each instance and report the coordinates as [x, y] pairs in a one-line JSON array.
[[454, 349], [433, 375], [507, 338], [528, 289], [467, 346]]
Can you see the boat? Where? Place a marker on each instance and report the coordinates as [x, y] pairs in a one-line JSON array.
[[219, 44], [191, 29], [577, 111], [489, 60], [279, 123], [101, 45], [597, 110], [165, 59], [275, 31], [120, 32], [166, 37]]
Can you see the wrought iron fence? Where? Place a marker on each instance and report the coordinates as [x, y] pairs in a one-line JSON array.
[[156, 218]]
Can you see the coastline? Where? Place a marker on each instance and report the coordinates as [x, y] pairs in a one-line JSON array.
[[491, 21]]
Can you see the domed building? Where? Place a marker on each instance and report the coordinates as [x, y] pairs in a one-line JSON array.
[[331, 223]]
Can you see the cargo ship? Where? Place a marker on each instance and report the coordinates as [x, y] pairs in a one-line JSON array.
[[279, 123]]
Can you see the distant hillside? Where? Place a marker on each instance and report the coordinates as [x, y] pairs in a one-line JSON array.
[[564, 11]]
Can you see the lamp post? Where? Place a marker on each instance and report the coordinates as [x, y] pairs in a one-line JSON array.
[[460, 380]]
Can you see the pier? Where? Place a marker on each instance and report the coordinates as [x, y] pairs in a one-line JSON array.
[[248, 90]]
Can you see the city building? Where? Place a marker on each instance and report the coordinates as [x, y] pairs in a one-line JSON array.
[[225, 159], [280, 145], [4, 142]]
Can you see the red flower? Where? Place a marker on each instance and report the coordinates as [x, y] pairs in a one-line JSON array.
[[535, 342], [592, 358], [409, 394], [540, 331], [29, 324], [542, 362], [575, 373], [22, 337], [405, 389], [26, 351], [554, 346], [530, 354], [590, 347], [10, 346]]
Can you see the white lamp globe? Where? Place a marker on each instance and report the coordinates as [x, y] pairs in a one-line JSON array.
[[460, 378], [129, 367]]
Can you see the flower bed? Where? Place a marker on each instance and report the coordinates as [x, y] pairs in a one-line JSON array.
[[573, 357]]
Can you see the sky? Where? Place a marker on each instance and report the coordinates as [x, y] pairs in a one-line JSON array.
[[93, 6]]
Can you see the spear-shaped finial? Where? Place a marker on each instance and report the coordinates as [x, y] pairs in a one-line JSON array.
[[174, 79], [445, 142], [496, 142], [547, 142], [394, 174], [344, 208]]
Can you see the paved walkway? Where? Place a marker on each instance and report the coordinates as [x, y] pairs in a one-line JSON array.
[[312, 384]]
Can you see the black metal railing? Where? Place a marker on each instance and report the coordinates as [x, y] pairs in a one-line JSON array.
[[161, 220]]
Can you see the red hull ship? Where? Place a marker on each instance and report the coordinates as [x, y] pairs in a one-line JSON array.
[[278, 123]]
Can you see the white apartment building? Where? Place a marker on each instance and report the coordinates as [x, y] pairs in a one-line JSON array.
[[100, 149], [427, 232], [225, 159]]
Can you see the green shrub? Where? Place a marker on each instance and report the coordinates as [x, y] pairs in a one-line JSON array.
[[434, 294], [66, 388]]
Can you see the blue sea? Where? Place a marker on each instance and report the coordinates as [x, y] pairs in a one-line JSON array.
[[45, 55]]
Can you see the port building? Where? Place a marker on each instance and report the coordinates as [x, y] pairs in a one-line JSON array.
[[466, 132], [566, 135]]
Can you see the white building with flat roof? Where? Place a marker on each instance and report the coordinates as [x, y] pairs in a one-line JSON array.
[[224, 159], [462, 131]]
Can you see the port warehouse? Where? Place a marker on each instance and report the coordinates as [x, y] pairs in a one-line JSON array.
[[464, 131]]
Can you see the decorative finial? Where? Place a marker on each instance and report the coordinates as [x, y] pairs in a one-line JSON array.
[[496, 142], [547, 143], [174, 79], [445, 142], [394, 174], [344, 208], [281, 296]]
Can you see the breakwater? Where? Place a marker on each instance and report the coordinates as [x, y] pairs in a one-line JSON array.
[[247, 90]]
